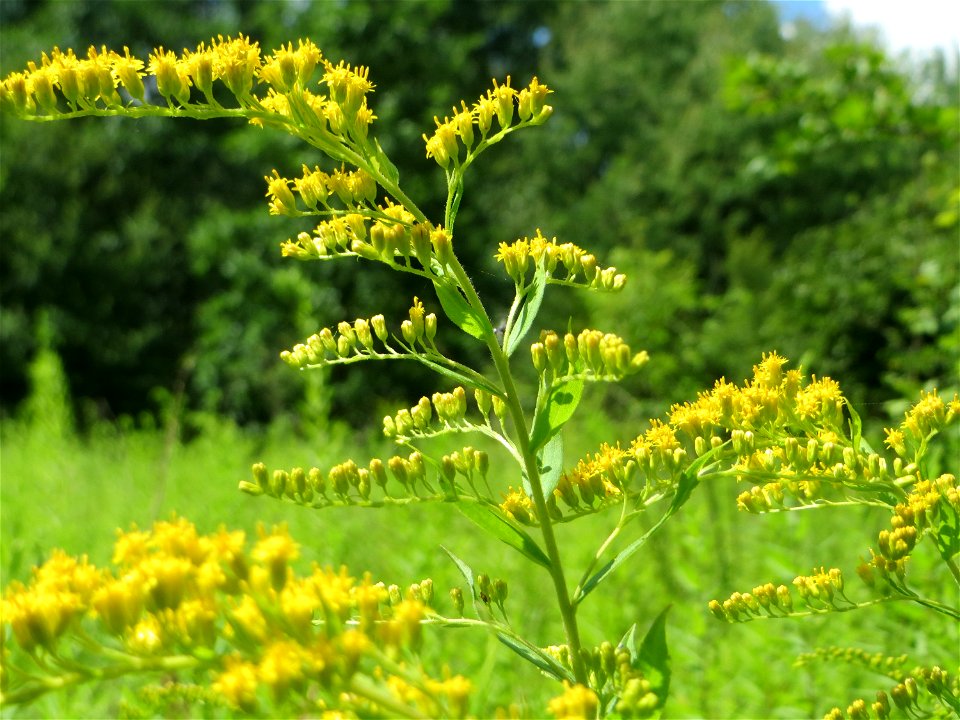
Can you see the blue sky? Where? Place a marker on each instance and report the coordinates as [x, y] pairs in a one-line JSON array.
[[904, 25]]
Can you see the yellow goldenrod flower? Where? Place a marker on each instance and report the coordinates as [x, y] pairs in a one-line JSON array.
[[246, 620], [517, 505], [67, 67], [275, 550], [404, 629], [531, 100], [442, 145], [201, 66], [119, 603], [502, 97], [236, 62], [282, 201], [173, 76], [166, 579], [128, 71], [577, 702], [146, 637], [237, 684], [347, 86], [98, 78], [38, 617]]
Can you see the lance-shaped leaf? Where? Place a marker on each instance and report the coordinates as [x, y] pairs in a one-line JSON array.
[[652, 658], [688, 481], [490, 519], [530, 299], [559, 405], [550, 461], [537, 657], [456, 307]]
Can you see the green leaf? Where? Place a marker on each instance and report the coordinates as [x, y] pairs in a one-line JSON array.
[[464, 569], [537, 657], [533, 297], [456, 307], [385, 166], [471, 381], [490, 519], [685, 486], [559, 407], [550, 460], [653, 660], [856, 427], [467, 573]]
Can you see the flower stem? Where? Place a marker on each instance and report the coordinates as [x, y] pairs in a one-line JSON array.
[[567, 609]]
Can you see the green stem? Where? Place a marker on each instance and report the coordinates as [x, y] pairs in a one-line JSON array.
[[953, 568], [363, 687], [567, 609], [40, 686]]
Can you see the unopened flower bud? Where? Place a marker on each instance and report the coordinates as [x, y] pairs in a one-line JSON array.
[[481, 462], [539, 355], [393, 593], [261, 476], [426, 591], [572, 349], [499, 408], [589, 264], [379, 327], [430, 326], [784, 600], [420, 240], [399, 469], [278, 483], [361, 328], [408, 332], [448, 467], [317, 481], [482, 398], [499, 591], [460, 396], [442, 246], [484, 587], [456, 595], [378, 472]]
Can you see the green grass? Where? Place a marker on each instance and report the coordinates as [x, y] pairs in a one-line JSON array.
[[71, 493]]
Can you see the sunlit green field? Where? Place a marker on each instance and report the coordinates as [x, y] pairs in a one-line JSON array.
[[72, 493]]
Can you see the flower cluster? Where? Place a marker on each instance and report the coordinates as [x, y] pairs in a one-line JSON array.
[[500, 102], [906, 696], [590, 355], [777, 426], [890, 666], [931, 506], [358, 340], [443, 412], [386, 235], [821, 591], [348, 483], [65, 85], [615, 681], [564, 264], [174, 594], [317, 189], [930, 415]]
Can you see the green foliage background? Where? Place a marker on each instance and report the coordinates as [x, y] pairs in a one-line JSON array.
[[727, 169], [760, 193]]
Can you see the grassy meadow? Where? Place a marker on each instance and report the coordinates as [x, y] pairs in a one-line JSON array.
[[60, 490]]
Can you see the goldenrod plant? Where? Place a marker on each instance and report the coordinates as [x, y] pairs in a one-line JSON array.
[[240, 629]]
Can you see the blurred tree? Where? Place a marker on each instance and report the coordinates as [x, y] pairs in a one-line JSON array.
[[150, 242], [761, 193]]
